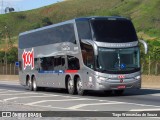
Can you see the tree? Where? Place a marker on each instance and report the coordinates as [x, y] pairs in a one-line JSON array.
[[156, 54], [2, 53], [9, 9], [12, 55]]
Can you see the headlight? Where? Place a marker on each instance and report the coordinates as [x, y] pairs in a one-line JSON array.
[[138, 77], [102, 78]]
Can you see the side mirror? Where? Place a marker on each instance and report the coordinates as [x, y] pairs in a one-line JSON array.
[[145, 46]]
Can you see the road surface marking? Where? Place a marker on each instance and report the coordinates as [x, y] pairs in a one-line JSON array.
[[49, 106], [155, 94], [155, 109], [101, 100], [9, 91], [141, 104], [19, 93], [42, 101], [84, 105], [62, 96], [13, 98]]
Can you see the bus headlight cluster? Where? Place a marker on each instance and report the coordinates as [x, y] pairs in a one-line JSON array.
[[138, 77], [102, 78]]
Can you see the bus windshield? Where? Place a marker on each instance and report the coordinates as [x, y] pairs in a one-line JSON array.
[[118, 60], [113, 31]]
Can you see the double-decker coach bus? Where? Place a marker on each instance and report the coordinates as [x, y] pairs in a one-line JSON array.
[[91, 53]]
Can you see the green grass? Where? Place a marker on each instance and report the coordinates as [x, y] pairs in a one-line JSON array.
[[144, 14]]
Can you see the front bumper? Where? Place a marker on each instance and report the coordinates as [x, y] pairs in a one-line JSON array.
[[117, 84]]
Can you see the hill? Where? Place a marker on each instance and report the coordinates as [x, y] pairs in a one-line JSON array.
[[144, 14]]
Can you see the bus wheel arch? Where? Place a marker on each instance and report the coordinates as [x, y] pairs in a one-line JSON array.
[[76, 77], [66, 80]]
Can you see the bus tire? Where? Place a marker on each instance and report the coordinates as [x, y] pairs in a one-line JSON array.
[[71, 86], [34, 84], [118, 92], [29, 84], [79, 87]]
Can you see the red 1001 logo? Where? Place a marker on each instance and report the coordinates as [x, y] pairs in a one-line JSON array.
[[28, 58]]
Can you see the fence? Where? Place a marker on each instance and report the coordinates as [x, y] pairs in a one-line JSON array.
[[8, 69], [152, 68]]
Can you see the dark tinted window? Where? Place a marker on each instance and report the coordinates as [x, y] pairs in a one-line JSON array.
[[73, 63], [47, 63], [114, 31], [63, 33], [84, 31], [88, 55], [59, 63], [52, 63]]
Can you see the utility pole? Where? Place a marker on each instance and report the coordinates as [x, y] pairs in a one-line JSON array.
[[6, 49]]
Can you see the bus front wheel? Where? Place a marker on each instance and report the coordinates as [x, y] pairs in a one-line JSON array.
[[70, 86], [79, 86], [35, 88]]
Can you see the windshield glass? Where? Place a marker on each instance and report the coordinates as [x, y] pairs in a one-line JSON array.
[[114, 31], [118, 60]]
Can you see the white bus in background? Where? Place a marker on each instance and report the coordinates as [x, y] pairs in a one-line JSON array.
[[91, 53]]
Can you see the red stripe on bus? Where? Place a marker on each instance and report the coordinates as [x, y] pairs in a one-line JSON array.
[[71, 71]]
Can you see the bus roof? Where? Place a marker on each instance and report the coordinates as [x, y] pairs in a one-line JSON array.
[[71, 21], [100, 17]]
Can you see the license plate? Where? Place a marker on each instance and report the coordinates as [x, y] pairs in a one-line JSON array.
[[121, 87]]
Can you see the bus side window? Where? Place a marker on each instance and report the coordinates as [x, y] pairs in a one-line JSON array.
[[63, 65], [88, 55], [46, 63], [43, 64], [36, 66], [73, 63], [55, 63]]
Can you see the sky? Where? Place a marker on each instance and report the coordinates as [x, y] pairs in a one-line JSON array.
[[23, 5]]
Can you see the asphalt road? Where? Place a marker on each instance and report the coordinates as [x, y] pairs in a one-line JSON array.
[[14, 97]]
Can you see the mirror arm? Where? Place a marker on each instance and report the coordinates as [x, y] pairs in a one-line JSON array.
[[145, 46]]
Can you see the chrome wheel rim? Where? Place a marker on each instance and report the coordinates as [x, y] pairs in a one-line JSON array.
[[29, 83], [70, 85], [34, 84], [79, 86]]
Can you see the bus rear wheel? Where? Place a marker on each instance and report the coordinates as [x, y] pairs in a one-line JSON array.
[[79, 87], [70, 86], [29, 84], [35, 88]]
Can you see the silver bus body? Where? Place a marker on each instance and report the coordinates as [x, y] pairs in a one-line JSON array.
[[57, 57]]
